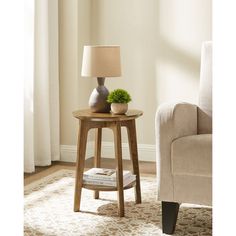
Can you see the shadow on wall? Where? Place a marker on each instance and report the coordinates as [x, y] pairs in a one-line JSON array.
[[177, 74], [183, 26], [182, 59]]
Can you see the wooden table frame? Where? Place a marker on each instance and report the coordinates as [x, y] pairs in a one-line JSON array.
[[115, 124]]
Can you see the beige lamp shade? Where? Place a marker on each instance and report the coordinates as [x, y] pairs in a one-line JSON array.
[[101, 61]]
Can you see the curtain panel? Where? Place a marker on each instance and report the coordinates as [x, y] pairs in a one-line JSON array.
[[41, 102]]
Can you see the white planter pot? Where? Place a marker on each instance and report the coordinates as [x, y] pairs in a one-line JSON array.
[[119, 108]]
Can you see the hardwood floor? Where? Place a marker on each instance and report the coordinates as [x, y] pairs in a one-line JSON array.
[[144, 166]]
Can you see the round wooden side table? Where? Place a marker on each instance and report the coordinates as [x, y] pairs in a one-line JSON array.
[[89, 120]]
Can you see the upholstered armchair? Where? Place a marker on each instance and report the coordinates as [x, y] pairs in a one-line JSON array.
[[184, 149]]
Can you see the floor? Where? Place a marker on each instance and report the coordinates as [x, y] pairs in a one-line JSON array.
[[145, 168]]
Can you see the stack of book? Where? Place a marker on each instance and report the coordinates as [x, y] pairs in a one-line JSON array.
[[106, 177]]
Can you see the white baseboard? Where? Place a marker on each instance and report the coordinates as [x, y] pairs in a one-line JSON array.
[[145, 152], [69, 152]]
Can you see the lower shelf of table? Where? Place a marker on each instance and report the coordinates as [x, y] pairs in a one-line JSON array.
[[107, 188]]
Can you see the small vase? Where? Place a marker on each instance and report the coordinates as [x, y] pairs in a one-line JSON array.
[[119, 108], [98, 98]]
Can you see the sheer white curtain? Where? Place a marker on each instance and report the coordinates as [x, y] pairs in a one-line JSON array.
[[41, 101]]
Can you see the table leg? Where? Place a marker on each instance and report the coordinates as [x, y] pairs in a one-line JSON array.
[[119, 168], [97, 154], [81, 151], [131, 129]]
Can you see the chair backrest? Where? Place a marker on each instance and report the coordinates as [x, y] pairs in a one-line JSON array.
[[205, 93]]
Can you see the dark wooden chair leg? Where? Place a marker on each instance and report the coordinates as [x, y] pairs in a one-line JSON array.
[[169, 216]]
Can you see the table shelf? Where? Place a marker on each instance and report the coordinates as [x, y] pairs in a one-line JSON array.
[[107, 188]]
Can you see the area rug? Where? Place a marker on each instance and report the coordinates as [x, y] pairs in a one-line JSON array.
[[48, 211]]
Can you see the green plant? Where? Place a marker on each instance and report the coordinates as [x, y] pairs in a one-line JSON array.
[[119, 96]]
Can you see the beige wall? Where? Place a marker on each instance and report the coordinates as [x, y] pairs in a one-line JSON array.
[[160, 51], [160, 48], [183, 25], [74, 32]]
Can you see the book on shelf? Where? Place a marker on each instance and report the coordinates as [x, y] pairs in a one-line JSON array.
[[110, 183], [106, 177], [104, 174]]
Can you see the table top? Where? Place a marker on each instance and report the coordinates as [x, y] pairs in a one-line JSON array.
[[88, 115]]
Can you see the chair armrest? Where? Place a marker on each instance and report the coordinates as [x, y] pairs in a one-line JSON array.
[[172, 121]]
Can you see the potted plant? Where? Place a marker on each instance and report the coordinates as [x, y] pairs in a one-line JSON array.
[[119, 99]]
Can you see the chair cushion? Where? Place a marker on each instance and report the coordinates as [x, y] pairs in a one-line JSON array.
[[192, 155]]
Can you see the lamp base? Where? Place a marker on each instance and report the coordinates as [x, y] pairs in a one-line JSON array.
[[98, 98]]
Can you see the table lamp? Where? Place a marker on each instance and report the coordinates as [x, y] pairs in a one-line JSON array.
[[101, 62]]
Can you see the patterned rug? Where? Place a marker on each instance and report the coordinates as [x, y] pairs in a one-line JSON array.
[[49, 211]]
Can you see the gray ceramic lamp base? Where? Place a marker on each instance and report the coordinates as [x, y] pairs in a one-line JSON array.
[[98, 98]]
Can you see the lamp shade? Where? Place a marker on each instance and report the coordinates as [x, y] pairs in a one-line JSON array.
[[101, 61]]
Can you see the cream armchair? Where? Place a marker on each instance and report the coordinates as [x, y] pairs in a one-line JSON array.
[[184, 149]]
